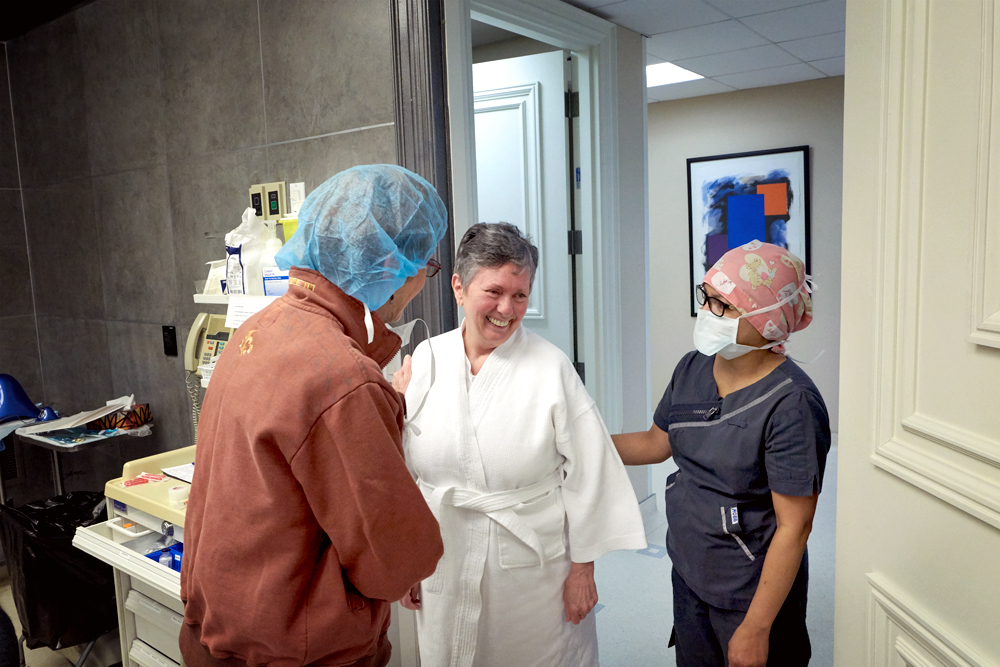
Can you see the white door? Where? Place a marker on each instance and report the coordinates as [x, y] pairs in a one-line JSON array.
[[918, 517], [522, 169]]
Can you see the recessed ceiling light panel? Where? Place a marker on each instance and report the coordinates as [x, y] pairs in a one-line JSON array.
[[662, 74]]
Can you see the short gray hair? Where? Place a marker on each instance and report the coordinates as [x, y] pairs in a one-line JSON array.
[[491, 244]]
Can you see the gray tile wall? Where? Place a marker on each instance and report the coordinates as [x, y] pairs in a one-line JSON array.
[[139, 125], [19, 353]]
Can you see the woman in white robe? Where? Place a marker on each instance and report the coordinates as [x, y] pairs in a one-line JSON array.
[[518, 467]]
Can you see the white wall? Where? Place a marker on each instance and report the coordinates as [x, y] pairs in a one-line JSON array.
[[808, 113]]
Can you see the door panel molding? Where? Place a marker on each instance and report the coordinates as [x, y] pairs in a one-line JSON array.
[[957, 465], [523, 101], [904, 634], [986, 248]]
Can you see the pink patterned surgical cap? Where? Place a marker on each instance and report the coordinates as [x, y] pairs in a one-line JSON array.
[[758, 275]]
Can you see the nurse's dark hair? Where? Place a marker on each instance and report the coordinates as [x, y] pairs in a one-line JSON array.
[[489, 245]]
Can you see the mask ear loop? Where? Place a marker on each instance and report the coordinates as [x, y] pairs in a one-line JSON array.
[[809, 284]]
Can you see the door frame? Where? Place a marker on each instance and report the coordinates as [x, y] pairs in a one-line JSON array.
[[594, 40]]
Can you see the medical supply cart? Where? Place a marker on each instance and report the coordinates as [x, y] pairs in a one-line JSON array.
[[141, 518]]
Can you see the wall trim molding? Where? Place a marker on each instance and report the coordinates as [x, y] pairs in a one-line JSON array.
[[899, 627], [960, 440], [986, 236], [956, 485], [943, 459]]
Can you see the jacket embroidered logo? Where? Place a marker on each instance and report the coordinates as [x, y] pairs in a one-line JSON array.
[[247, 345]]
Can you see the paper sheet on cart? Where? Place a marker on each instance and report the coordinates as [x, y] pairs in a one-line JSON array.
[[81, 418], [9, 427], [242, 306], [185, 473]]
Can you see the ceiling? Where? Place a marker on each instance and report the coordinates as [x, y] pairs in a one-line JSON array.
[[734, 44]]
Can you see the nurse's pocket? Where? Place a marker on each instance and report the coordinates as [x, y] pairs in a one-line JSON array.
[[546, 516]]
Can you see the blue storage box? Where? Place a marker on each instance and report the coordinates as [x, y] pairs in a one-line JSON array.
[[176, 553]]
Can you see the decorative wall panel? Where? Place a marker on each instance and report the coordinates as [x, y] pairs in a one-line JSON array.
[[904, 635], [936, 447]]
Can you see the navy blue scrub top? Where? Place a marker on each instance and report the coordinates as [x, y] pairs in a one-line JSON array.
[[731, 453]]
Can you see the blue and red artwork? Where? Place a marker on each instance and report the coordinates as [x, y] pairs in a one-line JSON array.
[[744, 209]]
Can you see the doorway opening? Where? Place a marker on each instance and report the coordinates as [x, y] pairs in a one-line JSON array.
[[526, 143]]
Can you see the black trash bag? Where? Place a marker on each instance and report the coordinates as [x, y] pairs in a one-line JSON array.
[[64, 597]]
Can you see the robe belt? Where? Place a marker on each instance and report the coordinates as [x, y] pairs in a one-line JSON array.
[[496, 505]]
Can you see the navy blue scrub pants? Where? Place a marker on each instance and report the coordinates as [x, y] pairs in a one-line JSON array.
[[702, 632]]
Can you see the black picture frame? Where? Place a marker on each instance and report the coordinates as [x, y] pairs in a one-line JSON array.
[[715, 178]]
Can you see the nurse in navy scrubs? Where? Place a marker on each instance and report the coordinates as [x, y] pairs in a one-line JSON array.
[[749, 433]]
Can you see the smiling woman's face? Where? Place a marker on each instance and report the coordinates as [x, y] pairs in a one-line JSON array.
[[495, 302]]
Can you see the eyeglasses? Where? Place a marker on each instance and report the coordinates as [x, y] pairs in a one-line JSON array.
[[717, 306], [433, 266]]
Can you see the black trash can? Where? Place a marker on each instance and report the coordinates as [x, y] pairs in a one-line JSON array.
[[64, 597]]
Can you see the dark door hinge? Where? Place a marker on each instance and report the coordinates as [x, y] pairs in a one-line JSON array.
[[575, 242], [572, 105]]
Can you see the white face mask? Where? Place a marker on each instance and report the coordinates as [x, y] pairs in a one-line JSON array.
[[717, 335]]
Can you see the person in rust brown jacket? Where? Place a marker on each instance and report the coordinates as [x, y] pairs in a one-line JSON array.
[[303, 523]]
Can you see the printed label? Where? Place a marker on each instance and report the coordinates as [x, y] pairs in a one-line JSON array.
[[234, 271], [734, 516], [120, 507]]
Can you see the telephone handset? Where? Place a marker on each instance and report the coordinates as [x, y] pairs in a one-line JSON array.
[[209, 335]]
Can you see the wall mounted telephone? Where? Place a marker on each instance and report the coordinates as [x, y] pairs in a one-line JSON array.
[[209, 335]]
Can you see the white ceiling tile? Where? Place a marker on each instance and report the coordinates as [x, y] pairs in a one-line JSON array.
[[703, 40], [771, 77], [650, 17], [741, 8], [653, 60], [816, 48], [830, 66], [820, 18], [676, 91], [744, 60]]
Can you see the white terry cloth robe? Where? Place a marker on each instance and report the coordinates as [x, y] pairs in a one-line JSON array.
[[521, 473]]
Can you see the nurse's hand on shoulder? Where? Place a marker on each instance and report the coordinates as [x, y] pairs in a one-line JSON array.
[[401, 378], [748, 647], [579, 592]]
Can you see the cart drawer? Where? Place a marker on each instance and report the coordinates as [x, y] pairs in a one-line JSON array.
[[125, 554], [147, 656], [155, 624]]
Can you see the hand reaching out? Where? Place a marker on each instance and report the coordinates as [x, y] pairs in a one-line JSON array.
[[401, 378], [412, 599]]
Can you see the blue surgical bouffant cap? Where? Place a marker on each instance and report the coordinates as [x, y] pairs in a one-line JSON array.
[[367, 230]]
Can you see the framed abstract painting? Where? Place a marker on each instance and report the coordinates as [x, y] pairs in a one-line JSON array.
[[737, 198]]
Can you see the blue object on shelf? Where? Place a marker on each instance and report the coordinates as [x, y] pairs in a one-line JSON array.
[[176, 554]]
